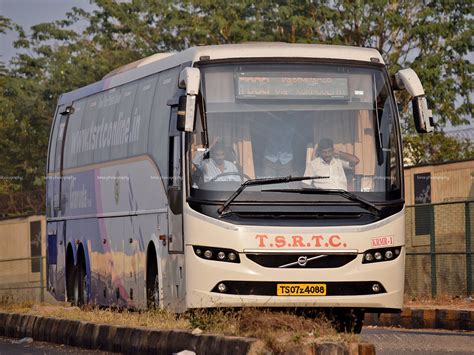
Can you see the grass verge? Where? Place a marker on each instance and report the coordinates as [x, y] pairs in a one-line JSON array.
[[279, 330]]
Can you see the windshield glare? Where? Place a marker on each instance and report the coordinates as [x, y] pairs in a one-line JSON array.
[[273, 120]]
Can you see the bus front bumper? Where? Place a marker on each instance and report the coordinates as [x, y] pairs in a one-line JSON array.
[[247, 284]]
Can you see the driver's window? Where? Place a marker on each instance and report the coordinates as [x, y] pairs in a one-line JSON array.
[[227, 156]]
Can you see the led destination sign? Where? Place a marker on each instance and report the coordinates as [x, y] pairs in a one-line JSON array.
[[271, 86]]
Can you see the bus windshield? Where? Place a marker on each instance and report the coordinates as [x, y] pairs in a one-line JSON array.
[[272, 120]]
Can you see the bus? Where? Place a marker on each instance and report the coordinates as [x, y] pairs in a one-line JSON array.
[[246, 175]]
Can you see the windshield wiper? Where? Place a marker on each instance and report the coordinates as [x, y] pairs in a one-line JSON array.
[[265, 181], [346, 194]]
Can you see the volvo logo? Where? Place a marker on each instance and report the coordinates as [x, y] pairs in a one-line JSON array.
[[302, 260]]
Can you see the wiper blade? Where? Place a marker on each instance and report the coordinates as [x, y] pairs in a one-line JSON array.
[[265, 181], [348, 195]]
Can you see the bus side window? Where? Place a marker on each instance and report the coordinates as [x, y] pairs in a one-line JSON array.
[[160, 115], [140, 121], [72, 143], [123, 116], [52, 147], [101, 110], [82, 152]]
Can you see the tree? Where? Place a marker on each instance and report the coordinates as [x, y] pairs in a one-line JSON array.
[[435, 148], [432, 37]]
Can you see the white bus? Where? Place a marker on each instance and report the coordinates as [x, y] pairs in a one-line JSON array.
[[236, 175]]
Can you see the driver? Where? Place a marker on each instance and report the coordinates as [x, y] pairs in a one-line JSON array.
[[216, 165], [331, 163]]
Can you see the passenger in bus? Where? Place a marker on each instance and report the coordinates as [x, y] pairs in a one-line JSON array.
[[278, 153], [217, 165], [329, 162]]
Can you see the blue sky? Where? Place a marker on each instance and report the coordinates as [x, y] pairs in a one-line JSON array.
[[27, 13]]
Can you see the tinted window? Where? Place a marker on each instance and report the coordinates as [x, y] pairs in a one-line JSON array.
[[73, 142], [59, 142], [139, 124], [121, 126], [105, 121], [52, 147], [160, 115]]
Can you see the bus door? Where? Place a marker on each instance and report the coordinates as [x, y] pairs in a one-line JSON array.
[[175, 188]]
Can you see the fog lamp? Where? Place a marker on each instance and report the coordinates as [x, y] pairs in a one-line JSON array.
[[376, 288], [222, 287]]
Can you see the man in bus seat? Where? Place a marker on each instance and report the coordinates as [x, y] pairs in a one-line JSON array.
[[331, 163], [278, 153], [216, 165]]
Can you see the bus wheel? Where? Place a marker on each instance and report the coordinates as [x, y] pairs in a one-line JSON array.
[[153, 293], [70, 275], [349, 321], [153, 288], [80, 294]]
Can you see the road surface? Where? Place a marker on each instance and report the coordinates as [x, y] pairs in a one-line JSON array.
[[419, 341], [9, 346]]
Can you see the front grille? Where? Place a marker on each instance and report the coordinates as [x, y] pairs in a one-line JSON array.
[[269, 288], [290, 261]]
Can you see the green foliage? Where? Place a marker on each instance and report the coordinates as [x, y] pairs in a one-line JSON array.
[[432, 37], [435, 148]]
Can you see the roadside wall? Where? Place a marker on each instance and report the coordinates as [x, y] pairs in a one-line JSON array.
[[22, 262]]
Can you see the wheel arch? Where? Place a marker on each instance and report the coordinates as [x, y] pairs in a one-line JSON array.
[[151, 256]]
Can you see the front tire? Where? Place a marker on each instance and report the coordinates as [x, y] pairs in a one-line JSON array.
[[349, 321]]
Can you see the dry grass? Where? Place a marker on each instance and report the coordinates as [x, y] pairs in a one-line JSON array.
[[279, 330], [441, 301]]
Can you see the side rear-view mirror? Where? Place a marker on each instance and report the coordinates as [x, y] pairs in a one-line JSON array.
[[186, 108], [189, 79], [422, 115], [407, 79]]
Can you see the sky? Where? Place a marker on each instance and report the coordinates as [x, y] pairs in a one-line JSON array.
[[27, 13]]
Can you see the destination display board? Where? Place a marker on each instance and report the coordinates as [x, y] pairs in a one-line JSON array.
[[278, 86]]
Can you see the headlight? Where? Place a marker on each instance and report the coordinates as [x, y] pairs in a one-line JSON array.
[[379, 255], [216, 254]]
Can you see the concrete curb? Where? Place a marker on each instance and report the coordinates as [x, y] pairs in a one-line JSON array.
[[144, 340], [424, 318]]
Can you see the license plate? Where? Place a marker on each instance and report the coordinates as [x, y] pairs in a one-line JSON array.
[[301, 289]]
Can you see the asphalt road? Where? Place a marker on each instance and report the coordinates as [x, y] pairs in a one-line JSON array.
[[386, 340], [9, 346], [410, 341]]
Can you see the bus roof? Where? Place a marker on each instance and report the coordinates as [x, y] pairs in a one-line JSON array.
[[162, 61]]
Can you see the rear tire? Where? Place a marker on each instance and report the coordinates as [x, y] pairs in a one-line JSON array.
[[80, 290], [349, 321], [153, 287]]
